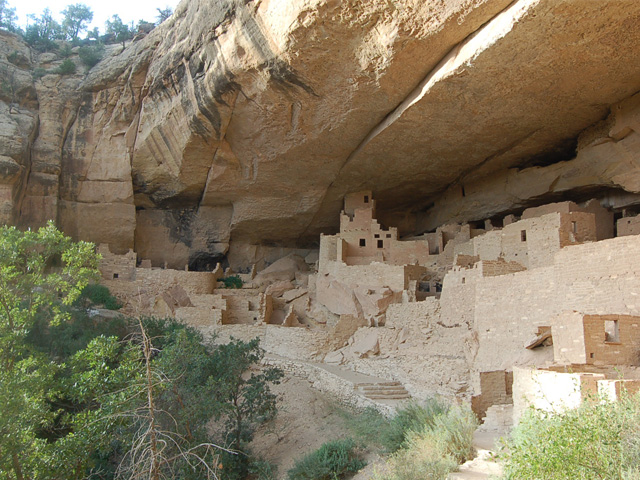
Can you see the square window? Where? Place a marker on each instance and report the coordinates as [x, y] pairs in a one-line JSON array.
[[377, 235], [363, 242], [523, 235], [115, 275], [388, 235], [380, 244]]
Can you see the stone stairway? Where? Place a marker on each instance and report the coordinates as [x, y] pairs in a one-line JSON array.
[[348, 386], [382, 391]]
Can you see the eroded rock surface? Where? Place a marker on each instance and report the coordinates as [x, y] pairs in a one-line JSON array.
[[246, 122]]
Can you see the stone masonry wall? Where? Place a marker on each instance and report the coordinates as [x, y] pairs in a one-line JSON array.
[[628, 226]]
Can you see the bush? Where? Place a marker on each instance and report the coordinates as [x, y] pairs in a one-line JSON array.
[[437, 450], [38, 73], [413, 418], [67, 67], [90, 55], [263, 470], [368, 425], [596, 440], [331, 461], [96, 294], [232, 282], [65, 51]]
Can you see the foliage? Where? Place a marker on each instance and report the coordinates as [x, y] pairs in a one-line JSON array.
[[367, 426], [118, 30], [599, 439], [232, 282], [96, 294], [413, 418], [65, 50], [436, 450], [41, 274], [43, 30], [96, 398], [38, 73], [67, 67], [76, 19], [263, 470], [8, 17], [331, 461], [163, 14], [244, 401], [65, 339], [8, 84]]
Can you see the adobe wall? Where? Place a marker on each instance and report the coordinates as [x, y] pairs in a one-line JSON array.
[[114, 266], [496, 388], [595, 278], [293, 343], [328, 250], [508, 311], [628, 226], [532, 242], [494, 268], [614, 390], [358, 200], [416, 349], [458, 298], [603, 217], [577, 227], [567, 330], [373, 275], [156, 279], [605, 350], [550, 391]]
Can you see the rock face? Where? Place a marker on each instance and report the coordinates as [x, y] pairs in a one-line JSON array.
[[245, 123]]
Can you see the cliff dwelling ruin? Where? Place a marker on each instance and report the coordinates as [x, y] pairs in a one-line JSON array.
[[441, 196]]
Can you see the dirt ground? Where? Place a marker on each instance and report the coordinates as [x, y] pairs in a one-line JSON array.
[[306, 419]]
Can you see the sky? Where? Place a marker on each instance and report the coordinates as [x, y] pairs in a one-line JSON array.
[[128, 10]]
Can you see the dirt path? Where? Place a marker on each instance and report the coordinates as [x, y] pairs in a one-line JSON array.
[[483, 466]]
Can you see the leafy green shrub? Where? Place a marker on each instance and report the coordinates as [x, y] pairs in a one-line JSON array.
[[232, 282], [13, 57], [67, 67], [263, 470], [65, 51], [90, 55], [331, 461], [596, 440], [38, 73], [96, 294], [368, 425], [413, 418], [432, 453]]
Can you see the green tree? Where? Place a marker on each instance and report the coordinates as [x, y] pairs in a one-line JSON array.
[[243, 401], [76, 19], [8, 17], [119, 30], [93, 34], [43, 31], [41, 273]]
